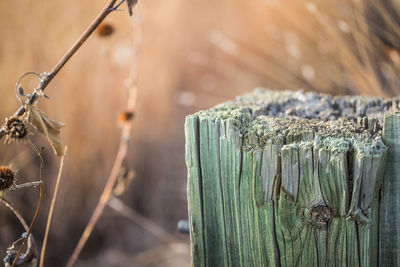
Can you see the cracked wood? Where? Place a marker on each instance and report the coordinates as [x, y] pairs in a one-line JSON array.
[[280, 178]]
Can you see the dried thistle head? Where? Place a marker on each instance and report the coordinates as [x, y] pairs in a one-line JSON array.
[[15, 128], [7, 178]]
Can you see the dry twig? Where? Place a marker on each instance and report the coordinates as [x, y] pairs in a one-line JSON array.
[[120, 157], [142, 221], [31, 253], [49, 216], [46, 78], [41, 187]]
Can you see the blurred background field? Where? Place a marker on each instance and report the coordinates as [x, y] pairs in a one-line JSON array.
[[195, 54]]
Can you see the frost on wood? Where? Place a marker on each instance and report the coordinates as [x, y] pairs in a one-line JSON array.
[[279, 178]]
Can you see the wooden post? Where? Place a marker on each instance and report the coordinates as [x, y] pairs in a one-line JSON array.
[[279, 178], [389, 213]]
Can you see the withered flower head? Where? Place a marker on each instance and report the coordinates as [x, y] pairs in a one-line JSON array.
[[15, 128], [7, 177]]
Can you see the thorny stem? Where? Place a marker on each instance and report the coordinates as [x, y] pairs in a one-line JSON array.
[[41, 186], [119, 159], [49, 217], [48, 77]]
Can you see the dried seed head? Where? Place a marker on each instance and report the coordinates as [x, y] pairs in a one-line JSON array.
[[7, 177], [15, 128], [105, 30], [125, 116]]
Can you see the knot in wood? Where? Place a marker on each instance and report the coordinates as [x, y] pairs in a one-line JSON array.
[[6, 178], [320, 216]]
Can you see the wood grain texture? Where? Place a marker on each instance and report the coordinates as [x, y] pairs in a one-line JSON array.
[[294, 179], [389, 216]]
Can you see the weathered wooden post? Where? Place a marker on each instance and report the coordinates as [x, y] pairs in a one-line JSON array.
[[295, 179]]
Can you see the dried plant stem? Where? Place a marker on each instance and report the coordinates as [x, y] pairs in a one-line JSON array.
[[24, 185], [32, 251], [50, 215], [41, 186], [122, 150], [120, 157], [16, 213], [103, 14], [48, 77], [142, 221]]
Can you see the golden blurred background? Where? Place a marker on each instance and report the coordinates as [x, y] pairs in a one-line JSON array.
[[195, 54]]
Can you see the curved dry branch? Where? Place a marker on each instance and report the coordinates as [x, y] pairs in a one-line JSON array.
[[120, 157], [41, 187], [31, 252]]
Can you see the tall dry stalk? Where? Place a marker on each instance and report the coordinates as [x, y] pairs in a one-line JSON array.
[[15, 126], [122, 149]]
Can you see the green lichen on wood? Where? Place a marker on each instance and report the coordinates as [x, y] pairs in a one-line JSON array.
[[289, 179]]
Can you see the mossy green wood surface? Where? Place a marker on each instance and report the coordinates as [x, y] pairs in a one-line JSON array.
[[293, 179]]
